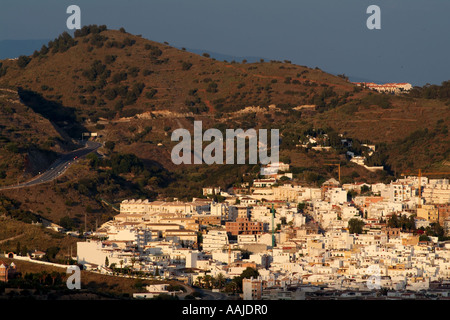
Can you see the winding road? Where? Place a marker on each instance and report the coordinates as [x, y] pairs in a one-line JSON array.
[[58, 167]]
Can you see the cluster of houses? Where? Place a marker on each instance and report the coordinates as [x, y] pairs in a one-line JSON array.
[[386, 87], [295, 236], [321, 142]]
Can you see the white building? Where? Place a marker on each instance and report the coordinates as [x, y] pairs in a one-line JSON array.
[[337, 196], [215, 240]]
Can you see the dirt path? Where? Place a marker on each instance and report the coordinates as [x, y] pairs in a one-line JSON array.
[[207, 102], [12, 238]]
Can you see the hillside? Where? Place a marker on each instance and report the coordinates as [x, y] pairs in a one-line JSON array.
[[30, 142], [134, 92]]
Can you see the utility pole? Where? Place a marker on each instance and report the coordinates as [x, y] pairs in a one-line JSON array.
[[273, 229]]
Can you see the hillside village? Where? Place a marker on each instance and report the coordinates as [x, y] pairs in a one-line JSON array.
[[304, 242], [290, 231]]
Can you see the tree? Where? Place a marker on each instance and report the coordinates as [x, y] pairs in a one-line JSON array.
[[355, 225], [106, 261], [66, 222], [94, 160], [207, 281], [24, 251], [393, 221], [246, 274], [220, 281], [110, 145], [301, 206], [231, 286], [23, 61], [199, 281], [138, 284], [51, 253], [249, 273], [186, 65], [365, 189], [44, 50]]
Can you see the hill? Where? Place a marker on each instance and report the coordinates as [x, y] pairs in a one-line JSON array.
[[134, 92], [30, 142]]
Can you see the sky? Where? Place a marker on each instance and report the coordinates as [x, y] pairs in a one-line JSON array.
[[411, 46]]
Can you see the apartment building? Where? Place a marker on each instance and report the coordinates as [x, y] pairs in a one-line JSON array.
[[244, 226], [428, 212], [252, 289], [215, 240], [437, 193]]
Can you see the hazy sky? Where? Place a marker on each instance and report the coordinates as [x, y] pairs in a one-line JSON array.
[[413, 44]]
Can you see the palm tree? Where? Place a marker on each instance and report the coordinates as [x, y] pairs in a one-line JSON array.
[[54, 275], [207, 281], [42, 277], [220, 281], [199, 281]]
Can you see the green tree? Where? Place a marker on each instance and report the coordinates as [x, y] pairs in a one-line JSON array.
[[110, 145], [365, 189], [23, 61], [355, 225], [51, 253], [220, 281], [246, 274], [66, 222], [186, 65], [393, 221], [207, 281], [249, 273], [301, 206]]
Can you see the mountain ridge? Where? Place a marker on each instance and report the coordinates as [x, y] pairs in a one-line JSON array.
[[134, 92]]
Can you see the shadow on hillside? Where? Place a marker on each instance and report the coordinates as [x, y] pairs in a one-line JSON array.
[[63, 119]]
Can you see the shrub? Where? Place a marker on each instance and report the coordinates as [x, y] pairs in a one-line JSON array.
[[110, 58], [97, 70], [23, 61], [186, 65], [118, 77], [212, 87], [2, 70], [147, 72], [128, 42], [134, 71], [90, 29], [110, 94], [150, 94]]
